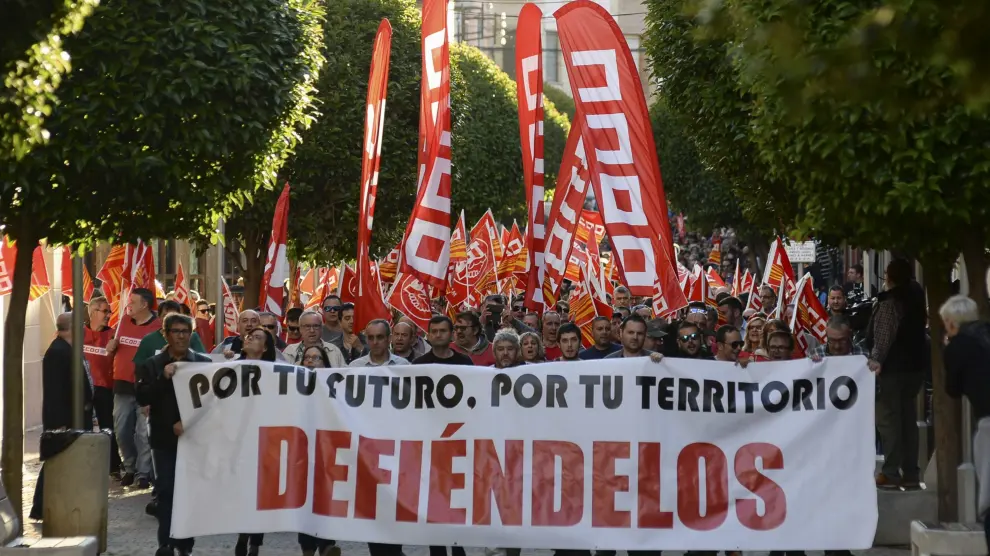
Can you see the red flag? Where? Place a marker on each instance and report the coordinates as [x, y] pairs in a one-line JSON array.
[[230, 312], [714, 280], [583, 307], [426, 245], [347, 285], [111, 276], [409, 297], [513, 260], [309, 281], [67, 285], [576, 261], [389, 266], [620, 150], [182, 288], [715, 256], [568, 200], [276, 265], [779, 269], [39, 275], [529, 90], [483, 254], [458, 279], [590, 223], [809, 315], [736, 283], [369, 291], [8, 255]]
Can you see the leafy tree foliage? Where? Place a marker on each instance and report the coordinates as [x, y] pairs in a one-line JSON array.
[[700, 86], [699, 193], [325, 172], [560, 99], [886, 156], [949, 36], [32, 64], [487, 163], [174, 112]]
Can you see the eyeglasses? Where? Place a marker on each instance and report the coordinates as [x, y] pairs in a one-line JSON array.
[[180, 331], [518, 309], [697, 311], [736, 345], [779, 348], [330, 309], [270, 326], [293, 329], [689, 337]]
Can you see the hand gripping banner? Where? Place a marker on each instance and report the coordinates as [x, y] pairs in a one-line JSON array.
[[621, 454], [425, 251], [621, 154], [369, 292], [529, 89]]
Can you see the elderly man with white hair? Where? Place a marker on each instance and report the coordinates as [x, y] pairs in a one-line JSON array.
[[967, 373]]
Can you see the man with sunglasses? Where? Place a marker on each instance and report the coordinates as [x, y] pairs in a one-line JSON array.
[[96, 336], [269, 321], [729, 342], [690, 342], [292, 333], [697, 314], [203, 327]]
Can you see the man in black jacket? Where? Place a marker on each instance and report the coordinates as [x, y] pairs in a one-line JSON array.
[[56, 394], [154, 389], [895, 336]]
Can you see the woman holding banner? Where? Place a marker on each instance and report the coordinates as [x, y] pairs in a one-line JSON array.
[[259, 345]]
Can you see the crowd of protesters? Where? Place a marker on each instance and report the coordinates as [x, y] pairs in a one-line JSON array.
[[131, 367]]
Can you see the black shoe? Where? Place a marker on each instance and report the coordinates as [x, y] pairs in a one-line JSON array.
[[144, 483], [241, 548], [165, 551], [128, 480], [152, 508]]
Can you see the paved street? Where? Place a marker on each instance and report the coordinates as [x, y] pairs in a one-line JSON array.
[[132, 532]]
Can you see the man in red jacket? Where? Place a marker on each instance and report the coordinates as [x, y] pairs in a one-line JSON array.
[[96, 338], [130, 421]]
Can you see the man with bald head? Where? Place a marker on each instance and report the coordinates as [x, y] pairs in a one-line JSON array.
[[404, 340], [56, 394], [231, 346]]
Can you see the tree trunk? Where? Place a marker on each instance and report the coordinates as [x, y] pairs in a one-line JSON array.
[[947, 415], [12, 448], [976, 273], [254, 269]]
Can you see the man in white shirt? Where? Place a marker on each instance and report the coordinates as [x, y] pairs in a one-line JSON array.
[[378, 333]]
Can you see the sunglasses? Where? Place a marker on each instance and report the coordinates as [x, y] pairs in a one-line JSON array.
[[330, 309], [736, 345], [293, 329], [697, 311], [689, 337], [270, 326]]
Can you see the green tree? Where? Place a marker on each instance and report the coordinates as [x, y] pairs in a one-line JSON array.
[[699, 193], [325, 172], [872, 169], [174, 112], [32, 64], [560, 99], [700, 87]]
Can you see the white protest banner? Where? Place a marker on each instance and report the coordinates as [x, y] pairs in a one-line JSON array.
[[623, 454]]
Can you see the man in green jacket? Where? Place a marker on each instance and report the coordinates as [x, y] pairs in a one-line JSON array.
[[155, 342]]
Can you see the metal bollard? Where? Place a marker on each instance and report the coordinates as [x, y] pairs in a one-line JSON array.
[[76, 490]]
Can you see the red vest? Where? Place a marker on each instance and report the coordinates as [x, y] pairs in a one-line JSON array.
[[95, 350], [128, 340]]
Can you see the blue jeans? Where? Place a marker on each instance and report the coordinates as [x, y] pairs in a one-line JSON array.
[[131, 429], [165, 464]]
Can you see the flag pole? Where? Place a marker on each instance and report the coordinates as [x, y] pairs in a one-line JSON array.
[[219, 321], [78, 372]]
